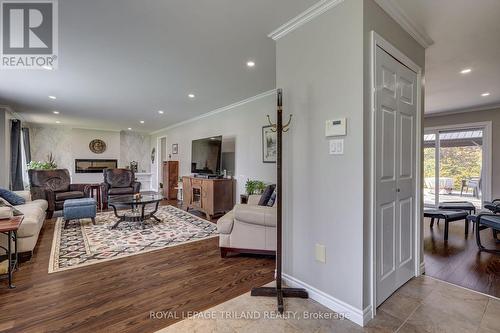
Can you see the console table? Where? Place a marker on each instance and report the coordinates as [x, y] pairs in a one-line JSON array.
[[210, 196], [9, 227]]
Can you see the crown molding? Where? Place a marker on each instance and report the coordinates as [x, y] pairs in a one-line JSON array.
[[394, 10], [489, 107], [301, 19], [216, 111]]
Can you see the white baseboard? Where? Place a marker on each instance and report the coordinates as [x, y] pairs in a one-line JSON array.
[[358, 316], [421, 268]]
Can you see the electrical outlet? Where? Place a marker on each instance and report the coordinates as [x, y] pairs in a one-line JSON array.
[[320, 253]]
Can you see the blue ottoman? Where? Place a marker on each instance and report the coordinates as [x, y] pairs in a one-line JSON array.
[[79, 209]]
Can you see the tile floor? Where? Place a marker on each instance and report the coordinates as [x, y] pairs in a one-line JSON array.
[[422, 305]]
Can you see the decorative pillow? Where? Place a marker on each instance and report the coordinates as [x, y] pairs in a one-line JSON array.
[[11, 197], [268, 192], [272, 199], [14, 210]]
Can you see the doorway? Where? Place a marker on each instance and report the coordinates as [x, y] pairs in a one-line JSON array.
[[456, 164]]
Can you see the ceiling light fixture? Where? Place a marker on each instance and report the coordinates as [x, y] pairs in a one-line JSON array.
[[191, 96], [161, 111], [130, 128], [52, 97], [485, 94], [250, 64], [142, 121], [58, 122], [465, 71], [55, 112]]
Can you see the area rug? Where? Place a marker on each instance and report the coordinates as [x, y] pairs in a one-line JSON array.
[[83, 243]]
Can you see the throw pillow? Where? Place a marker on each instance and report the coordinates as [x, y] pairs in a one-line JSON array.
[[11, 197], [15, 212], [268, 192], [272, 199]]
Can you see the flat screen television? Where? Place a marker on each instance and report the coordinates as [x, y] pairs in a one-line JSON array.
[[206, 156]]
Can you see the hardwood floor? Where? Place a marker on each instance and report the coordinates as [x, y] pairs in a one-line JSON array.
[[458, 261], [118, 296]]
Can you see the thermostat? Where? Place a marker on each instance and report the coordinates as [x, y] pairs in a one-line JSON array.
[[336, 127]]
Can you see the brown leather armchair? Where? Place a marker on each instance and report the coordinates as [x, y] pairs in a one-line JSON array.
[[118, 182], [55, 187]]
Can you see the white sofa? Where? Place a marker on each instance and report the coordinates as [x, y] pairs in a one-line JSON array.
[[248, 228], [34, 216]]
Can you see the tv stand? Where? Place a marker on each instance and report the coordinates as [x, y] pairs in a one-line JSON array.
[[210, 196], [206, 176]]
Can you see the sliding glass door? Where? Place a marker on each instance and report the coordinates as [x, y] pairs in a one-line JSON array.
[[454, 165]]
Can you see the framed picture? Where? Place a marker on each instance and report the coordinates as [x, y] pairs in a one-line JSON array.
[[175, 148], [269, 145]]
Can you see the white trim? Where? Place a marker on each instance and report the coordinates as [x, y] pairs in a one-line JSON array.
[[378, 41], [159, 164], [216, 111], [358, 316], [421, 268], [489, 107], [396, 12], [304, 17], [487, 152]]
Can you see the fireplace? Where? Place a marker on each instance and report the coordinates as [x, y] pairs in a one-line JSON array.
[[94, 165]]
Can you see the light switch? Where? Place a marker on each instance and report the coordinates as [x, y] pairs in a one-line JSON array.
[[336, 146], [320, 253], [336, 127]]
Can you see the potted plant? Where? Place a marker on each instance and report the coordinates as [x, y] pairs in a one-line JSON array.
[[50, 164]]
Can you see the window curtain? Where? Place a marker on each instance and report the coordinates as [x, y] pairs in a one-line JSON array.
[[27, 144], [16, 158]]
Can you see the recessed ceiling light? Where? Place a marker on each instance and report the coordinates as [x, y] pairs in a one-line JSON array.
[[55, 112], [161, 111], [130, 128], [49, 68], [465, 71], [52, 97], [142, 121], [191, 96], [58, 122], [485, 94], [250, 63]]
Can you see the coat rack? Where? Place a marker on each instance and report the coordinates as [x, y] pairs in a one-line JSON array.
[[279, 292]]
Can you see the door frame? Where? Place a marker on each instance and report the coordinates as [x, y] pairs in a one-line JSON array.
[[379, 41], [159, 163], [487, 157]]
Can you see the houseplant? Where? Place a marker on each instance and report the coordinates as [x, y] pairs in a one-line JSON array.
[[254, 187], [50, 164]]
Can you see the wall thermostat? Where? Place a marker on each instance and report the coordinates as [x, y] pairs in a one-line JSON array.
[[336, 127]]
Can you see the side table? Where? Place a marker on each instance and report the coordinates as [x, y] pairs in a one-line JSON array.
[[97, 189], [9, 227]]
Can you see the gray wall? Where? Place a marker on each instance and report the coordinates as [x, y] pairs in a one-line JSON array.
[[472, 117], [241, 125], [376, 19], [320, 68]]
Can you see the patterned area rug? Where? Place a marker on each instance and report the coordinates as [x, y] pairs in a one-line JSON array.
[[83, 243]]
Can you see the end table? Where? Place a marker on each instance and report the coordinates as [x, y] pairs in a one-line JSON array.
[[9, 227]]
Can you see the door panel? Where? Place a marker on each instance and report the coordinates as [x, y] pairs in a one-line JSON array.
[[395, 144]]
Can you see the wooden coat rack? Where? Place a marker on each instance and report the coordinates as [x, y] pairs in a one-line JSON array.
[[279, 292]]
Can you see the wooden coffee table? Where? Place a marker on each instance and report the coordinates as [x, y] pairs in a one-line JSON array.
[[9, 227]]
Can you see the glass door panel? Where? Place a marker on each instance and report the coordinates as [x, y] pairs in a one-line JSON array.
[[430, 170]]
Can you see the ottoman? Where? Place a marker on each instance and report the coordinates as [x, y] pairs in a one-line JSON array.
[[448, 216], [79, 209]]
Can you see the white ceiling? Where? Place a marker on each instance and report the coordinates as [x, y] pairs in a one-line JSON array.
[[120, 61], [466, 34]]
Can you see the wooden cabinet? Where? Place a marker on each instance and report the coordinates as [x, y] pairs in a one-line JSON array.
[[211, 196], [170, 179]]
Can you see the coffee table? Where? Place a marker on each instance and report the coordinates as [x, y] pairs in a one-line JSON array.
[[9, 227], [137, 211]]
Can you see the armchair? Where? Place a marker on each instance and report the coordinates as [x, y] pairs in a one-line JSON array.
[[118, 182], [55, 187], [248, 228]]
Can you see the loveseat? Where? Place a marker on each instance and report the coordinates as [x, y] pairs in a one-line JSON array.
[[34, 216], [248, 228]]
